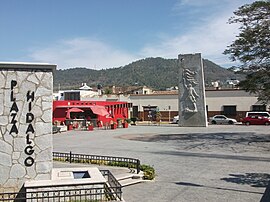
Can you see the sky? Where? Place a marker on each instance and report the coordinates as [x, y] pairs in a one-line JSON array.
[[101, 34]]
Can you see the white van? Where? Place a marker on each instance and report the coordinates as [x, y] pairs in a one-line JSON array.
[[264, 114]]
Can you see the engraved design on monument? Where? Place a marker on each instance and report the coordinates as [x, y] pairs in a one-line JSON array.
[[190, 95]]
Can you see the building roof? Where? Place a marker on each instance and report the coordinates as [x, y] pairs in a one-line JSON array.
[[209, 93], [85, 87], [169, 92]]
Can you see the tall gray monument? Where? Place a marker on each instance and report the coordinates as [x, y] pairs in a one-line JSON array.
[[192, 109], [26, 123]]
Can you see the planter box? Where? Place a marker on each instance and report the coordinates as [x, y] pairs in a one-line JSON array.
[[90, 127], [113, 126], [70, 127], [125, 125]]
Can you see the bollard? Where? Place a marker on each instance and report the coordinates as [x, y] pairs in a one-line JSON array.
[[70, 154], [138, 166]]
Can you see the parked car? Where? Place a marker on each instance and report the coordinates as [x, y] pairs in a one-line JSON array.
[[256, 120], [175, 119], [264, 114], [221, 119]]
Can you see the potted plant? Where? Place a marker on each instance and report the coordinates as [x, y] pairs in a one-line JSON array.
[[119, 122], [70, 127], [113, 125], [125, 123], [90, 127]]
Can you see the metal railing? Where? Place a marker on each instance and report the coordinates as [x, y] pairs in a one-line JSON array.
[[96, 159], [114, 185], [110, 191], [93, 194]]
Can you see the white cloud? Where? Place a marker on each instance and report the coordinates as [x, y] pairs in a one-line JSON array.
[[200, 3], [82, 52], [210, 38], [182, 3]]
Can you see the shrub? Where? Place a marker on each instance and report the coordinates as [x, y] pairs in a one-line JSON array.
[[128, 121], [148, 172]]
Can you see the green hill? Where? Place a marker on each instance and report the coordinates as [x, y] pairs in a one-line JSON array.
[[157, 73]]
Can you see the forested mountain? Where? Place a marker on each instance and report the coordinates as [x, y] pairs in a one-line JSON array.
[[157, 73]]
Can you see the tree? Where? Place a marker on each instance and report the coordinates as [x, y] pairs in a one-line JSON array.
[[108, 91], [252, 47]]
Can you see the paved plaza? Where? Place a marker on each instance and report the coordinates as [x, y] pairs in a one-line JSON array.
[[214, 164]]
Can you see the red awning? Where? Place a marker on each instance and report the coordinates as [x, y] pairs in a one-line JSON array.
[[73, 109], [99, 110]]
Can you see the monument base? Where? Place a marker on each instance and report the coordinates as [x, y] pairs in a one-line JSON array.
[[85, 183]]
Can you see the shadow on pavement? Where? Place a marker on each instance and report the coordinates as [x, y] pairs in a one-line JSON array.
[[252, 179], [266, 194], [212, 187], [231, 137], [214, 156]]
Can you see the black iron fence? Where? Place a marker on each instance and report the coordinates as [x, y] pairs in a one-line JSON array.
[[110, 191], [114, 186], [96, 159]]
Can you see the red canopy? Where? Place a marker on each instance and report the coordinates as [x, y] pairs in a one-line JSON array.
[[99, 110], [73, 109]]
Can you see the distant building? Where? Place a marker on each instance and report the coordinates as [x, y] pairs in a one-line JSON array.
[[85, 87], [142, 91], [233, 103], [232, 82], [99, 113], [84, 92], [89, 104]]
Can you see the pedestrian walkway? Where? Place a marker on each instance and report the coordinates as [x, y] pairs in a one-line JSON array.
[[218, 163]]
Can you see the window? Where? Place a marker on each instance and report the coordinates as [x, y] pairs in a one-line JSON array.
[[229, 110], [259, 108], [72, 95], [220, 117]]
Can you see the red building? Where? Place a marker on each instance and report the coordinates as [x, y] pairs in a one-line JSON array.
[[100, 113]]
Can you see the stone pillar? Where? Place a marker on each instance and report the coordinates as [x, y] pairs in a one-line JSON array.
[[26, 123], [192, 109]]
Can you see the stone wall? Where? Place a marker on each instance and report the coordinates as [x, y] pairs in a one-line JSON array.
[[26, 123]]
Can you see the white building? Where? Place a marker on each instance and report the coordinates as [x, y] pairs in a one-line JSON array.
[[233, 103], [84, 92]]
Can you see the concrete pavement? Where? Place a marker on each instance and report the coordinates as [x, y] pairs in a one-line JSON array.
[[217, 163]]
